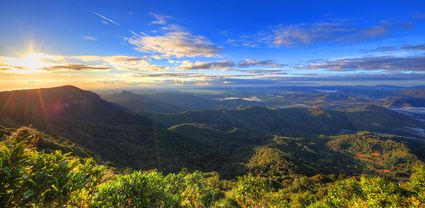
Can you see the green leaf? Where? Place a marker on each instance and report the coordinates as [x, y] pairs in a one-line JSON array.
[[28, 194]]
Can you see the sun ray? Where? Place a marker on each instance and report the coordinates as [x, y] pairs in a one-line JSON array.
[[6, 103], [42, 106], [31, 62]]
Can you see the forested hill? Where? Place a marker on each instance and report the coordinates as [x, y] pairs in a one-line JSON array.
[[49, 106], [211, 140], [31, 177], [79, 149], [109, 131], [299, 121]]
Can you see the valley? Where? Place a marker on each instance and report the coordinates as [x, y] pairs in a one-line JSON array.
[[233, 138], [198, 132]]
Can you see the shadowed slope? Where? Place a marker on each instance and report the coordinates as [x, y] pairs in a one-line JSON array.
[[103, 128]]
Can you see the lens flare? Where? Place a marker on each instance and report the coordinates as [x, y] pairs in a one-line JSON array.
[[31, 63]]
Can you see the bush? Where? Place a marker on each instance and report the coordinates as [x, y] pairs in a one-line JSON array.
[[249, 191], [138, 189], [32, 178]]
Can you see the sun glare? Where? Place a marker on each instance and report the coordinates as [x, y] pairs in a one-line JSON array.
[[31, 63]]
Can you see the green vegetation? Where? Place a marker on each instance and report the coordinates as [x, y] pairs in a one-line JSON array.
[[350, 154], [230, 142], [30, 177], [288, 155], [247, 157], [296, 121], [377, 154]]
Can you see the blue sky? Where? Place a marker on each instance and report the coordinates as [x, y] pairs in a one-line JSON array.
[[111, 44]]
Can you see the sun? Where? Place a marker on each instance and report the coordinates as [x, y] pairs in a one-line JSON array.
[[31, 62]]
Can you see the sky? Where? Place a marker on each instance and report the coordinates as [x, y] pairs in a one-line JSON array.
[[215, 43]]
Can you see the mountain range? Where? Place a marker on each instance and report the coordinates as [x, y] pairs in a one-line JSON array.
[[171, 131]]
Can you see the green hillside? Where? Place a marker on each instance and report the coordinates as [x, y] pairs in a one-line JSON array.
[[45, 142], [212, 140], [100, 127], [33, 178], [87, 152], [298, 121], [235, 152], [285, 156], [377, 154]]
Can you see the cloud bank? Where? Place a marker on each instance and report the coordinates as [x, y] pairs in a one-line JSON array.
[[387, 63], [290, 35]]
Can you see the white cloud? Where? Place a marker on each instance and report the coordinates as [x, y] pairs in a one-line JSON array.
[[123, 62], [261, 63], [387, 63], [159, 19], [319, 32], [89, 37], [186, 65], [171, 40], [175, 44]]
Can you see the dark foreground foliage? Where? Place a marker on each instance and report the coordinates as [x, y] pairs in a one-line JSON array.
[[33, 178]]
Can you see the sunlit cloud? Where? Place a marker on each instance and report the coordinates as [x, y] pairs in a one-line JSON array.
[[175, 44], [75, 67], [29, 63], [173, 41], [122, 62], [40, 62]]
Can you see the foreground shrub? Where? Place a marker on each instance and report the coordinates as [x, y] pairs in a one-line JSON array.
[[32, 178], [138, 189]]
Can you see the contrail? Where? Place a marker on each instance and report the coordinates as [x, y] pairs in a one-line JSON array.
[[105, 18]]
